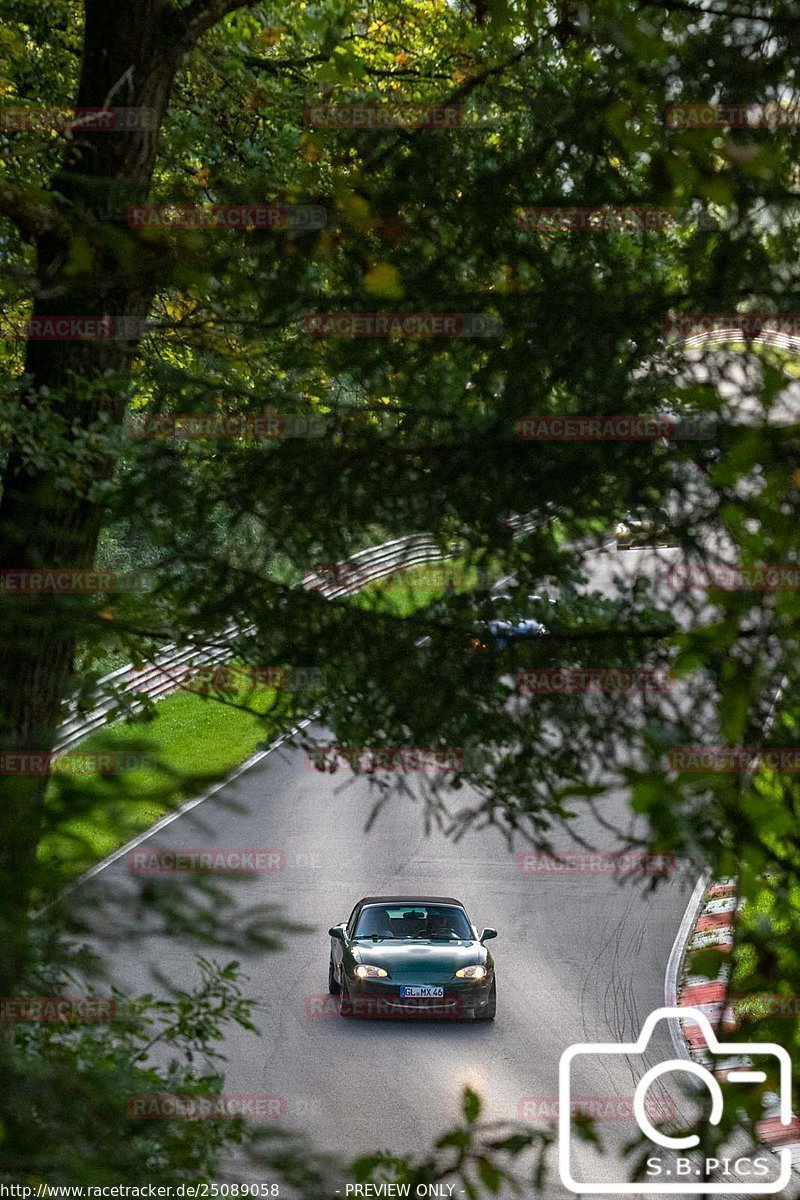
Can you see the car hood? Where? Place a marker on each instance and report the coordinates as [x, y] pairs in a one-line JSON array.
[[431, 962]]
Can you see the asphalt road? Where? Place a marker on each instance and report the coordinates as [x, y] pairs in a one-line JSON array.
[[580, 956]]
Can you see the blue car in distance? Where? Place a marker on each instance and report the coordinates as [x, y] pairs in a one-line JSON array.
[[501, 632]]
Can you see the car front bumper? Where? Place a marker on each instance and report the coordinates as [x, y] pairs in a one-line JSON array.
[[379, 998]]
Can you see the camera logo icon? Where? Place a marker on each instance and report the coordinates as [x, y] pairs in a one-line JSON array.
[[678, 1174]]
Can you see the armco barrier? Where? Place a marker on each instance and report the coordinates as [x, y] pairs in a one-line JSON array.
[[157, 679], [164, 673], [726, 337]]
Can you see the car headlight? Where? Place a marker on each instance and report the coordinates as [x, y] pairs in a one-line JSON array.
[[476, 972], [367, 971]]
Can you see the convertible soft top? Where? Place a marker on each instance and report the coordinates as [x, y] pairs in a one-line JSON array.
[[410, 900]]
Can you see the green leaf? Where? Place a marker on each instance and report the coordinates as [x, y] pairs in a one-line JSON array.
[[471, 1105], [490, 1175]]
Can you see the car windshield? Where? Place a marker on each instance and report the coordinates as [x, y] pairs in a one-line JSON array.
[[422, 922]]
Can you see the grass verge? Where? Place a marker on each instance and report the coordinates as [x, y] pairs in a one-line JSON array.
[[193, 742]]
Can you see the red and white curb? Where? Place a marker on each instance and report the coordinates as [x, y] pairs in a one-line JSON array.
[[712, 924]]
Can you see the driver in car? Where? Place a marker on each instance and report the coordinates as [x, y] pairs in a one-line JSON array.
[[438, 926]]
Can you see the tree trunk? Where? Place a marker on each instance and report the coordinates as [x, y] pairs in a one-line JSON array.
[[131, 55]]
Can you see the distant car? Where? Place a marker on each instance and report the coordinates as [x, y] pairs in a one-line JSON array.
[[687, 423], [500, 633], [711, 456], [412, 956], [503, 591], [644, 527], [692, 427]]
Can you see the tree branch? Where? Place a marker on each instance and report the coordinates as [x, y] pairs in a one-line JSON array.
[[201, 15], [34, 218], [777, 20], [279, 66]]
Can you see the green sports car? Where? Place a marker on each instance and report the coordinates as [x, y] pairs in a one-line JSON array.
[[411, 956], [645, 527]]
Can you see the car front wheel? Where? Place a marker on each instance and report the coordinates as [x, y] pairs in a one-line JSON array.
[[333, 986], [345, 1004], [490, 1011]]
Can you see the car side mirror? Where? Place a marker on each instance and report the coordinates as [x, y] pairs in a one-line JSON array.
[[488, 934], [336, 931]]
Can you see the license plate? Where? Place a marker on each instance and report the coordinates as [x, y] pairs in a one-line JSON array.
[[432, 992]]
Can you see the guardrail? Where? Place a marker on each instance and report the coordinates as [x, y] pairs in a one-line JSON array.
[[724, 337], [168, 670], [375, 563], [159, 678]]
